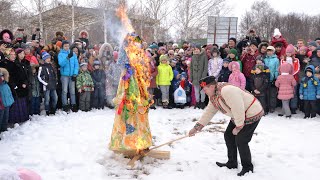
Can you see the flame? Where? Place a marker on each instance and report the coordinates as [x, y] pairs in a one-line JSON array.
[[140, 64], [121, 12]]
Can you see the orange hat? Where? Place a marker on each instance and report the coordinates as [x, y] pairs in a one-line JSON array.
[[59, 44]]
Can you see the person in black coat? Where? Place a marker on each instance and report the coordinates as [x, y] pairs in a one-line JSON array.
[[99, 79], [225, 72], [48, 77], [259, 85], [21, 88]]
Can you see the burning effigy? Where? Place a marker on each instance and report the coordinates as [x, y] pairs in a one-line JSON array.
[[131, 130]]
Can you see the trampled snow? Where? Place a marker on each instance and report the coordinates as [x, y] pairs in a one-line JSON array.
[[75, 147]]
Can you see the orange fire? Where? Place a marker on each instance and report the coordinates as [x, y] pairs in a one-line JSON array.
[[121, 12]]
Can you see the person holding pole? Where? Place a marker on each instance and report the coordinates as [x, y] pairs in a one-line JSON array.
[[245, 112]]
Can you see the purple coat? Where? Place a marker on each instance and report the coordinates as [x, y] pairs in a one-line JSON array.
[[286, 82]]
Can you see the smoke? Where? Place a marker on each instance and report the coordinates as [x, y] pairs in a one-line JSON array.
[[118, 25]]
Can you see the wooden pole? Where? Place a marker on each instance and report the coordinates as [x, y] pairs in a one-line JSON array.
[[145, 152]]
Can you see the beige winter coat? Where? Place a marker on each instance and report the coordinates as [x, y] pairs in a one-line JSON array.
[[240, 105]]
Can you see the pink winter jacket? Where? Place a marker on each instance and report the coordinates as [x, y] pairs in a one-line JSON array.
[[285, 82], [237, 78]]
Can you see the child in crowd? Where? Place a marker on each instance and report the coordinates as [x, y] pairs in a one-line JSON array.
[[185, 85], [225, 71], [309, 92], [99, 79], [48, 77], [259, 85], [279, 42], [35, 88], [290, 58], [233, 56], [215, 64], [236, 78], [85, 86], [164, 78], [272, 62], [6, 99], [285, 83]]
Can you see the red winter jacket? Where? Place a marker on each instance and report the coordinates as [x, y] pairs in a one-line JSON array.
[[284, 45], [296, 67], [248, 62]]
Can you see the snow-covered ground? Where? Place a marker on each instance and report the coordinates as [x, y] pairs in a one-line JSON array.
[[75, 147]]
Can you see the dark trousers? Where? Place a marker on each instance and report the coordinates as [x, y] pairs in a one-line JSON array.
[[84, 101], [263, 102], [272, 97], [310, 108], [4, 118], [35, 105], [98, 97], [240, 142], [248, 84]]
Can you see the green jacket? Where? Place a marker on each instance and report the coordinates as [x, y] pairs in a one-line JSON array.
[[84, 81], [165, 75]]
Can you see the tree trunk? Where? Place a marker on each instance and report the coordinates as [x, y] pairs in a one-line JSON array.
[[72, 16]]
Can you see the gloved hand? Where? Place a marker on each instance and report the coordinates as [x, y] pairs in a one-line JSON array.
[[301, 96], [74, 78], [70, 54], [318, 96]]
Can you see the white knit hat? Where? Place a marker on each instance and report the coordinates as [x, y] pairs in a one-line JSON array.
[[276, 32], [181, 51]]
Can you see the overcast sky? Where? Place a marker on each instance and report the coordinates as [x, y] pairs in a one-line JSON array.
[[311, 7]]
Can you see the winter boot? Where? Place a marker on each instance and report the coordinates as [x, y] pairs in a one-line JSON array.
[[153, 107], [197, 105], [66, 108], [288, 116], [228, 165], [293, 111], [244, 171], [203, 105], [280, 115], [313, 115], [165, 105], [74, 108], [47, 113], [305, 117]]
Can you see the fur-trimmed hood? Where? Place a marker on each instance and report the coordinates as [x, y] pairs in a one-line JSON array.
[[6, 31], [59, 33], [5, 74], [84, 31], [102, 49]]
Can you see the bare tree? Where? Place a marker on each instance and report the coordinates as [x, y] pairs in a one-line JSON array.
[[159, 10], [264, 19], [192, 14]]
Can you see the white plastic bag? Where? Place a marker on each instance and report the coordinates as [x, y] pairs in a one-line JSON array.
[[180, 96]]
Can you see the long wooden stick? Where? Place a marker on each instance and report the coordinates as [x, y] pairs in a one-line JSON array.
[[138, 156]]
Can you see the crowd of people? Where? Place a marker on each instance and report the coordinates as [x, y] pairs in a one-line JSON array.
[[78, 75]]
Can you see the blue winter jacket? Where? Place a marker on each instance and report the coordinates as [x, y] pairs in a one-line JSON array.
[[311, 88], [68, 67], [273, 63], [6, 94], [175, 80]]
